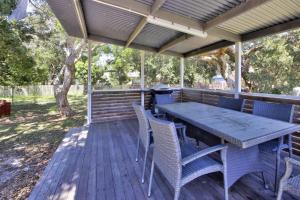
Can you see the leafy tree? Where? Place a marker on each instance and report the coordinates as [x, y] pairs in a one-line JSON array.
[[6, 6], [16, 62], [57, 51], [97, 72]]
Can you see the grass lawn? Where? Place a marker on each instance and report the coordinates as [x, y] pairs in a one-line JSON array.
[[29, 137]]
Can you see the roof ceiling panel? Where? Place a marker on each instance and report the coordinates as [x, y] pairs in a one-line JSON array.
[[193, 43], [115, 25], [202, 10], [271, 13], [71, 26], [103, 20], [155, 36]]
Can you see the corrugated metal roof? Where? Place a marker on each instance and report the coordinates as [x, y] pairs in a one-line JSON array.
[[67, 19], [155, 36], [202, 10], [109, 21], [193, 43], [273, 12]]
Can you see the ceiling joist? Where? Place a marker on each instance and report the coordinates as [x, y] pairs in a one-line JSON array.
[[81, 19], [155, 7], [168, 18], [173, 42]]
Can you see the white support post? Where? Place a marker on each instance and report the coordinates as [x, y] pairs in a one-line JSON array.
[[89, 86], [238, 69], [142, 78], [181, 72]]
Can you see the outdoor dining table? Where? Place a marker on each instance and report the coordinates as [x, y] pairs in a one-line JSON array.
[[241, 131]]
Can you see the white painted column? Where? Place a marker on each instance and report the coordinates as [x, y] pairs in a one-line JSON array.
[[89, 86], [181, 72], [238, 69], [142, 77]]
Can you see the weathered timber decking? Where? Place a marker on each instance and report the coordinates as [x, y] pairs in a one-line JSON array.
[[99, 163]]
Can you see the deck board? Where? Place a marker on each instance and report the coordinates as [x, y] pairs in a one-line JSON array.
[[100, 164]]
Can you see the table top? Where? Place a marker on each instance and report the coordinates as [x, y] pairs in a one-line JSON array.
[[241, 129]]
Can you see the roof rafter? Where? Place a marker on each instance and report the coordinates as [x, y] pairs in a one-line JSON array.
[[234, 12], [208, 48], [161, 14], [99, 38], [81, 19], [173, 42], [155, 7]]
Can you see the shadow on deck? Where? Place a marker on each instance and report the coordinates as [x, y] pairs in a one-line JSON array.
[[99, 163]]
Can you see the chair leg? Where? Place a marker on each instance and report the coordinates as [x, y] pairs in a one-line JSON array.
[[264, 180], [277, 169], [226, 192], [184, 134], [290, 144], [144, 166], [151, 177], [280, 192], [177, 193], [137, 151]]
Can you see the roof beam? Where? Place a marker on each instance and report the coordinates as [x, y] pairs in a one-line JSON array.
[[105, 39], [234, 12], [208, 48], [161, 14], [145, 10], [272, 30], [220, 33], [173, 42], [81, 19], [155, 7], [136, 31]]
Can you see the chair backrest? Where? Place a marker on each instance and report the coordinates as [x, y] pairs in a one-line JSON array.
[[144, 126], [283, 112], [161, 99], [230, 103], [167, 154]]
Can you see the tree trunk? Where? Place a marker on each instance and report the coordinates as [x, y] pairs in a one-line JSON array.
[[68, 70], [61, 91]]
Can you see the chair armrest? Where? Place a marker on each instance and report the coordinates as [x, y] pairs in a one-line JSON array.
[[293, 161], [202, 153], [159, 115], [289, 168], [179, 125]]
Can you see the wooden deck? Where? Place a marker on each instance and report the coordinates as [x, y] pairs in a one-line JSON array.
[[99, 163]]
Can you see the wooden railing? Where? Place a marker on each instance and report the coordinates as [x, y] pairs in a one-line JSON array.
[[211, 97], [110, 105]]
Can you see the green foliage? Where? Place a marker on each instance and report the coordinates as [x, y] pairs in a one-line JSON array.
[[161, 68], [16, 62], [6, 6], [275, 66], [82, 73]]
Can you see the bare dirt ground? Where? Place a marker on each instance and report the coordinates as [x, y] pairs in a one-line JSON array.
[[28, 139]]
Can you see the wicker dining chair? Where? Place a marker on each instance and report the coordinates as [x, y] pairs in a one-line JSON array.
[[283, 112], [230, 103], [145, 133], [288, 183], [180, 169], [162, 99]]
